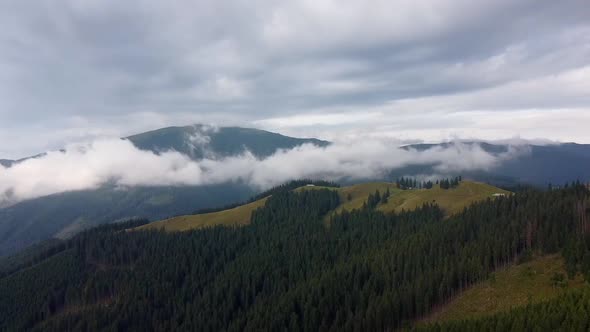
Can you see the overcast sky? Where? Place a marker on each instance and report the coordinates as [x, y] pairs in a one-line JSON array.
[[428, 70]]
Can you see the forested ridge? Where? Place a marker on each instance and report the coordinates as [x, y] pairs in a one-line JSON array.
[[365, 271]]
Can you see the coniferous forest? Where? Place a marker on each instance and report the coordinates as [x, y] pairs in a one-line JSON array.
[[299, 165], [291, 269], [410, 183]]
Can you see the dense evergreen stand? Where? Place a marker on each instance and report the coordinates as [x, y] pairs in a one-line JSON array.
[[364, 271]]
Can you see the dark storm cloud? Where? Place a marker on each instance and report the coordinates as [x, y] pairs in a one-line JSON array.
[[120, 66]]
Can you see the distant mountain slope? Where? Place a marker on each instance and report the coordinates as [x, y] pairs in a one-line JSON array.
[[452, 201], [62, 215], [200, 141], [65, 214], [537, 164], [555, 164], [10, 163]]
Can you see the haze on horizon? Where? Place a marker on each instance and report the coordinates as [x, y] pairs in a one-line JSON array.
[[406, 70]]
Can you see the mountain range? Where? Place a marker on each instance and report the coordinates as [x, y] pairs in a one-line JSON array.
[[539, 165], [64, 214]]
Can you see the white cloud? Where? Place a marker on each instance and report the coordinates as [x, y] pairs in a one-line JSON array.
[[221, 88], [326, 119], [88, 166], [354, 160]]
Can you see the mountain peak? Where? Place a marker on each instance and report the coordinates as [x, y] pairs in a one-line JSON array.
[[199, 141]]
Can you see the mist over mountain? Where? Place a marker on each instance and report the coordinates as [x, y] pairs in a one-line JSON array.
[[538, 165], [203, 141], [67, 210], [204, 155], [183, 169]]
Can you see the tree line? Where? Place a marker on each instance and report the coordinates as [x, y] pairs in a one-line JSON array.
[[412, 183], [293, 184]]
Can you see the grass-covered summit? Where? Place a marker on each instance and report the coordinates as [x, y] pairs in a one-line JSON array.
[[451, 201]]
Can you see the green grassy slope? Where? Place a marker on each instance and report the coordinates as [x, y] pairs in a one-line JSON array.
[[237, 216], [231, 217], [513, 286], [351, 197], [451, 200]]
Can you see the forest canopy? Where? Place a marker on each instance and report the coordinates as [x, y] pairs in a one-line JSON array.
[[365, 270]]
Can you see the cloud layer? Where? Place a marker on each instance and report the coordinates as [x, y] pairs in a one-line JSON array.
[[119, 162], [421, 69]]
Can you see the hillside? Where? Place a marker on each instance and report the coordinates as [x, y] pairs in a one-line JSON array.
[[509, 287], [200, 141], [451, 201], [64, 214], [570, 311], [237, 216], [353, 197], [368, 271], [537, 165]]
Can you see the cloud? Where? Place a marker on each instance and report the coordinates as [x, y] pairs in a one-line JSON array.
[[199, 140], [305, 120], [355, 160], [88, 166], [115, 161], [97, 64]]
